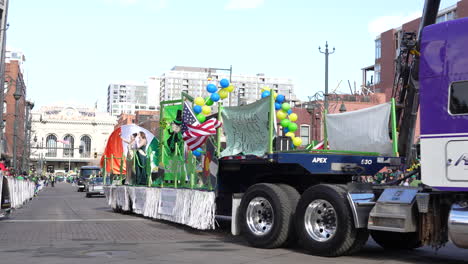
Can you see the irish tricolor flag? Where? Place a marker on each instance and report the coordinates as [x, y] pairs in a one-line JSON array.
[[117, 147]]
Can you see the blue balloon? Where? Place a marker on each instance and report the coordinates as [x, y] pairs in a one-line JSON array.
[[224, 83], [277, 106], [289, 111], [211, 88], [285, 130], [215, 97], [197, 109], [280, 98], [196, 153], [265, 94], [199, 150]]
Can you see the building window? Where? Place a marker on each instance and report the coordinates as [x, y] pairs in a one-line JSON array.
[[376, 73], [459, 98], [68, 148], [51, 145], [85, 144], [378, 49], [305, 132]]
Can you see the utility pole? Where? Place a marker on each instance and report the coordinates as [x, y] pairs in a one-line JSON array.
[[326, 72], [3, 28]]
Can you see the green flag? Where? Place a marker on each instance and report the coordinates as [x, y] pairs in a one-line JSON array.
[[246, 128]]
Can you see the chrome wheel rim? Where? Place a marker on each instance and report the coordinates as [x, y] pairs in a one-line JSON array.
[[259, 216], [320, 220]]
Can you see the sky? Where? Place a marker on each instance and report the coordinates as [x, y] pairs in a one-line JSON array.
[[74, 49]]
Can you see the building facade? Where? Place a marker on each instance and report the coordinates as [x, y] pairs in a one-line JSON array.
[[193, 80], [387, 49], [126, 98], [67, 137]]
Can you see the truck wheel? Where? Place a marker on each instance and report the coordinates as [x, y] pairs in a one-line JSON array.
[[265, 215], [293, 196], [395, 240], [324, 221]]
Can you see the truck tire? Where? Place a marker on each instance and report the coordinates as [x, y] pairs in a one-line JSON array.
[[265, 215], [395, 240], [293, 196], [324, 222]]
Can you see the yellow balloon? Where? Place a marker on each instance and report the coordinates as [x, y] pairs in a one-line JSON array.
[[266, 88], [199, 101], [297, 141], [293, 117], [230, 88], [275, 95], [281, 115], [290, 134], [223, 93], [206, 110]]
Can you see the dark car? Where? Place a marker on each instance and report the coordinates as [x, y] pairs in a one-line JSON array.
[[94, 186], [86, 172]]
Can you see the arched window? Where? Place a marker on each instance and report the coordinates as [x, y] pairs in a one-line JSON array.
[[85, 146], [68, 148], [51, 145]]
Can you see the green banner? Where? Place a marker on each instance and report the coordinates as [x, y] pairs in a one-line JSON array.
[[246, 128]]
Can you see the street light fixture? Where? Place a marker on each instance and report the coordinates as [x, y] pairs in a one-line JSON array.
[[17, 95]]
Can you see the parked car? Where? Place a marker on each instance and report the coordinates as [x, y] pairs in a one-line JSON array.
[[94, 186]]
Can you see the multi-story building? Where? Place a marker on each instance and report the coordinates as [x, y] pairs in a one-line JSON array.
[[126, 97], [193, 80], [387, 48], [66, 137], [14, 111]]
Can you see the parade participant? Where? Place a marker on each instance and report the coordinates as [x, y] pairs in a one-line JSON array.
[[140, 164], [130, 156], [52, 180]]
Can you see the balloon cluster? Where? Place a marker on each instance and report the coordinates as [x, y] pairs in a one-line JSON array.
[[198, 152], [285, 115], [202, 106]]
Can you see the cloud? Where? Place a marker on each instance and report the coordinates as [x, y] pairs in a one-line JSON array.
[[384, 23], [244, 4]]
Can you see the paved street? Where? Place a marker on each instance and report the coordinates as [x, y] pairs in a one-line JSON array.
[[62, 226]]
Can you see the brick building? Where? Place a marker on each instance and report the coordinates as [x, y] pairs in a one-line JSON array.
[[387, 47], [144, 118], [14, 82]]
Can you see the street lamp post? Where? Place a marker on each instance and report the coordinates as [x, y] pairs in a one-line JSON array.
[[27, 136], [17, 95], [326, 72]]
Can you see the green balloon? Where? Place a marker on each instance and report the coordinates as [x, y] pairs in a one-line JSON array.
[[285, 107], [209, 102], [285, 122], [201, 117], [292, 126]]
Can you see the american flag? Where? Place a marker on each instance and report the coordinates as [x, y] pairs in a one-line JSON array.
[[63, 141], [194, 133]]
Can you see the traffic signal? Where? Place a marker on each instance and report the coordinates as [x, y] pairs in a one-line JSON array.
[[81, 149], [95, 155]]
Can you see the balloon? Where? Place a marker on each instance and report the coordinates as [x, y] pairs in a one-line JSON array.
[[206, 110], [290, 134], [196, 153], [199, 101], [211, 88], [297, 141], [285, 123], [197, 109], [277, 106], [223, 93], [285, 130], [209, 102], [285, 107], [280, 98], [292, 126], [275, 94], [224, 83], [265, 94], [230, 88], [281, 115], [209, 79], [293, 117], [289, 111], [201, 118], [266, 88], [215, 97]]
